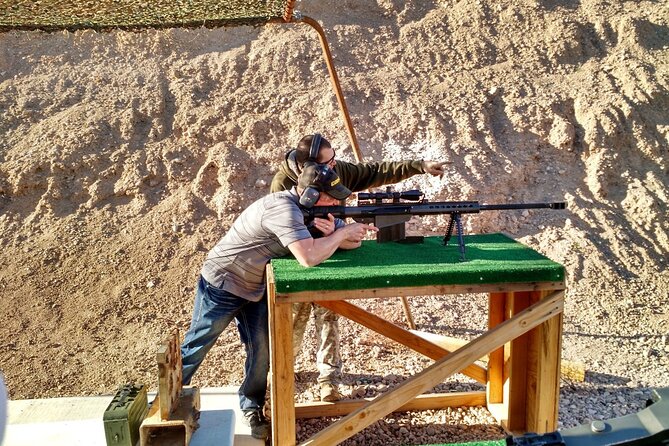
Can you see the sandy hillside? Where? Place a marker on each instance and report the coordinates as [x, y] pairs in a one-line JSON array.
[[125, 156]]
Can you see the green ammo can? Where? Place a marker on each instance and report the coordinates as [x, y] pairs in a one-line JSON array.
[[124, 415]]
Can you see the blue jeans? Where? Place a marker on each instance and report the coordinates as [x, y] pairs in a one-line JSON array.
[[214, 310]]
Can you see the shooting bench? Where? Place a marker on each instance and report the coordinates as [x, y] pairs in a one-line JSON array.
[[523, 341]]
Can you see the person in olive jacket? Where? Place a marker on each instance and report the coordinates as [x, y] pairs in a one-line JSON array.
[[356, 177]]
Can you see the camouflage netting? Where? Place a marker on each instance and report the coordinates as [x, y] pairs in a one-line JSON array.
[[51, 15]]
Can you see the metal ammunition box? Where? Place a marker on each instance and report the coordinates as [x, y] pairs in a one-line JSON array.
[[124, 415]]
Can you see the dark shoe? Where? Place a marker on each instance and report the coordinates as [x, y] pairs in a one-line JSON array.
[[258, 423]]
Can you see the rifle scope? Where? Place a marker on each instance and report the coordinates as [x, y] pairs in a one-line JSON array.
[[411, 195]]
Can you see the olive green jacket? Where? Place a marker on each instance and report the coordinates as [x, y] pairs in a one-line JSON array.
[[356, 177]]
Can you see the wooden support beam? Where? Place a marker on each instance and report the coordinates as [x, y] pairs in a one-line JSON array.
[[432, 401], [310, 296], [446, 342], [399, 334], [440, 370], [572, 370]]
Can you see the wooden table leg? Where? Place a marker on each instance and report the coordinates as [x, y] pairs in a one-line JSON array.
[[282, 375], [531, 370], [515, 367], [543, 372]]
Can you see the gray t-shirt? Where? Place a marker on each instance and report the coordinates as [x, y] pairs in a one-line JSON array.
[[260, 233]]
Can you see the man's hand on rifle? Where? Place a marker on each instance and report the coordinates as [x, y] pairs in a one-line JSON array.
[[357, 231], [434, 167], [325, 226]]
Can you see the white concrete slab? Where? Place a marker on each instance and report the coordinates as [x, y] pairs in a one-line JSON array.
[[79, 421]]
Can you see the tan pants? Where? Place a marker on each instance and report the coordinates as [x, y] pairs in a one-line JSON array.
[[328, 359]]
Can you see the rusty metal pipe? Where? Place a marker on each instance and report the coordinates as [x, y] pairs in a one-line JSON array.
[[298, 17], [335, 80], [288, 10]]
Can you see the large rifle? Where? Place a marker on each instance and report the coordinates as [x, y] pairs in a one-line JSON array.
[[391, 216]]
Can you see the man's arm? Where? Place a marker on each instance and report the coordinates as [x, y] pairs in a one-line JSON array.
[[363, 176], [327, 226], [350, 244], [311, 252]]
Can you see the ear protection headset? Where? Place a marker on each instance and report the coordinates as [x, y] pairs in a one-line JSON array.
[[312, 192], [315, 147]]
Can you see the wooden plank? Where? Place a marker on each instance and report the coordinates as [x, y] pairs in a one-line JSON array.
[[169, 373], [543, 373], [440, 370], [432, 401], [399, 334], [316, 296], [282, 378], [515, 368], [495, 385], [446, 342]]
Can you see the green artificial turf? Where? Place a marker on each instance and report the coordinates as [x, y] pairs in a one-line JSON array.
[[491, 258]]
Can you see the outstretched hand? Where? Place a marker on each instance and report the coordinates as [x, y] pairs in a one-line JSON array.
[[434, 167]]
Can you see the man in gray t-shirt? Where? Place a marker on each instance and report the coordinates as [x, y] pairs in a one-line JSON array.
[[232, 281]]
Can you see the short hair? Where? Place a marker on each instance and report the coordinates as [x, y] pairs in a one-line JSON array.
[[304, 146]]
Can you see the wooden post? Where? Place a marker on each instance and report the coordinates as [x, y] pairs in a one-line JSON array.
[[173, 415], [282, 374], [169, 373], [515, 368], [543, 372]]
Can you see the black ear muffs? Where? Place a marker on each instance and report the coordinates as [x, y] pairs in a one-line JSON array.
[[309, 197], [315, 147], [312, 192]]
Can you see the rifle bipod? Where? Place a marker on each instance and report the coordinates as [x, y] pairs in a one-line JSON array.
[[457, 222]]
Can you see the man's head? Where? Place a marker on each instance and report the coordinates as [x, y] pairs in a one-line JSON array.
[[319, 184], [317, 147]]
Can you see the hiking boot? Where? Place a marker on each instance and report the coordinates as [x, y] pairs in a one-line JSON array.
[[258, 423], [330, 392]]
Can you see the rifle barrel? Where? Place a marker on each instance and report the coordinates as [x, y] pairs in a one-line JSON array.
[[501, 207]]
